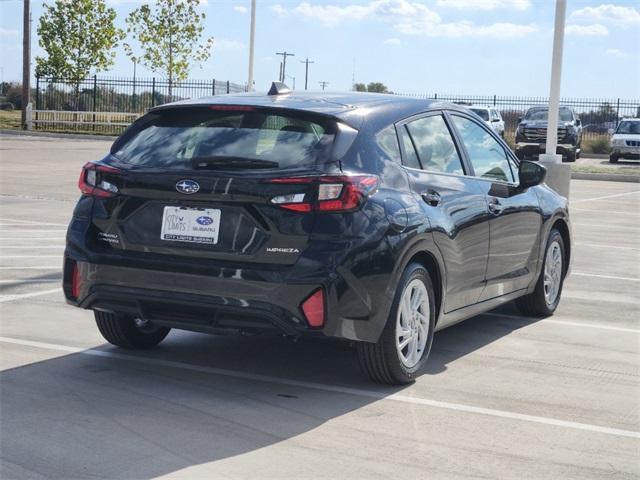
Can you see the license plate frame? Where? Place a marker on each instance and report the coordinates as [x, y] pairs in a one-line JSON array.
[[190, 225]]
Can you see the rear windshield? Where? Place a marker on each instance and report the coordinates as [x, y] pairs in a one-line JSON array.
[[483, 113], [246, 138]]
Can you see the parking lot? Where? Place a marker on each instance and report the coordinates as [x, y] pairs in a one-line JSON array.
[[504, 396]]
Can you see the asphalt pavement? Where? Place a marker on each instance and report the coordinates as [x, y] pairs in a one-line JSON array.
[[503, 396]]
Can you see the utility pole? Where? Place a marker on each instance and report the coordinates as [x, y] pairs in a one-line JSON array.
[[252, 38], [306, 71], [324, 84], [26, 59], [284, 54]]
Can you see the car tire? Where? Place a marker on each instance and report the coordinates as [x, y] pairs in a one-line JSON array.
[[386, 361], [123, 331], [571, 157], [613, 159], [540, 303]]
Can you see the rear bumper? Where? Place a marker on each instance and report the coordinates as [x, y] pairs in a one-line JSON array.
[[228, 300]]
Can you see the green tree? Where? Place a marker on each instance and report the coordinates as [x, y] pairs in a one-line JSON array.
[[78, 38], [169, 35], [360, 87], [377, 87]]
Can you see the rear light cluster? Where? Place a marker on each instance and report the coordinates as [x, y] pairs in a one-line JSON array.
[[335, 194], [92, 183]]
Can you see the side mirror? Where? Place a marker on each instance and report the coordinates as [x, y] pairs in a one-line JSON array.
[[611, 131], [519, 119], [578, 122], [531, 174], [495, 120]]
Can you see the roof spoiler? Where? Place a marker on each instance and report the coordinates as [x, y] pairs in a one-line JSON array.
[[279, 88]]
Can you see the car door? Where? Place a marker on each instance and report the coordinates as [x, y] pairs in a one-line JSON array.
[[452, 201], [515, 216]]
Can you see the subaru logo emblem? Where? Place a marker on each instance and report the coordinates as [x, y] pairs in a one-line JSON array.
[[204, 220], [187, 186]]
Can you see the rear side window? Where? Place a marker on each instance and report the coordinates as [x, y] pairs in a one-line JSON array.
[[435, 147], [175, 138], [410, 156]]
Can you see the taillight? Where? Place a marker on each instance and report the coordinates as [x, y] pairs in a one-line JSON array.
[[336, 194], [92, 183], [313, 308]]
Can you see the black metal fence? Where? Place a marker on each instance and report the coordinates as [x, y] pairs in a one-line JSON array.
[[124, 95], [598, 115]]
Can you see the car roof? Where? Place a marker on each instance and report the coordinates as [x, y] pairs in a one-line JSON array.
[[351, 107], [630, 119]]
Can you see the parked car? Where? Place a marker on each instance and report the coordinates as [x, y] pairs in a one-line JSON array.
[[491, 116], [368, 217], [531, 134], [625, 142]]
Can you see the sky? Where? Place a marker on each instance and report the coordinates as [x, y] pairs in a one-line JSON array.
[[473, 47]]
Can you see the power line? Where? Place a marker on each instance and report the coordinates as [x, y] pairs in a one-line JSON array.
[[324, 84], [285, 54], [306, 71]]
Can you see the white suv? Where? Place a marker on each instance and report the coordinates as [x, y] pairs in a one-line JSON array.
[[491, 116], [625, 142]]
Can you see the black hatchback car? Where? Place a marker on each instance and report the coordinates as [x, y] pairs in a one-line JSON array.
[[368, 217]]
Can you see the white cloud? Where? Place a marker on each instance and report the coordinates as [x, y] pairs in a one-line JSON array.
[[240, 9], [614, 52], [225, 44], [595, 30], [406, 16], [9, 32], [608, 13], [484, 4], [392, 41]]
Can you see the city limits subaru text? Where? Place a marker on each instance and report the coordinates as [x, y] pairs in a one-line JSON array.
[[372, 218]]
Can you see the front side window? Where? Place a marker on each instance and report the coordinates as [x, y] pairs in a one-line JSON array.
[[434, 145], [488, 158]]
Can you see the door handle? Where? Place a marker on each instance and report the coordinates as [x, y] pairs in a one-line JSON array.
[[431, 197], [495, 207]]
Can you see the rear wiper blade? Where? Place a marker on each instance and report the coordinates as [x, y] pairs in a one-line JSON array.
[[231, 162]]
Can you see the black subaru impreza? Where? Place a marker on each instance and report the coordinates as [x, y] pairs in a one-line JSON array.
[[368, 217]]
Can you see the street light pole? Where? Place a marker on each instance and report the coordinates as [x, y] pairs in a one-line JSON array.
[[252, 38], [556, 76], [26, 60], [558, 175]]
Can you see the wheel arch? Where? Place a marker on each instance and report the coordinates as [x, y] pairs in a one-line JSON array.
[[561, 225], [429, 261]]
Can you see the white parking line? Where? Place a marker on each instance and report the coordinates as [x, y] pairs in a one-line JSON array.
[[599, 326], [30, 256], [329, 388], [30, 280], [603, 197], [30, 238], [608, 277], [597, 245], [27, 223], [17, 230], [20, 296], [23, 247], [603, 211], [30, 267]]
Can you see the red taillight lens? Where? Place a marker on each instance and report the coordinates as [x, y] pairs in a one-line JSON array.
[[336, 194], [313, 308], [92, 183], [76, 280]]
